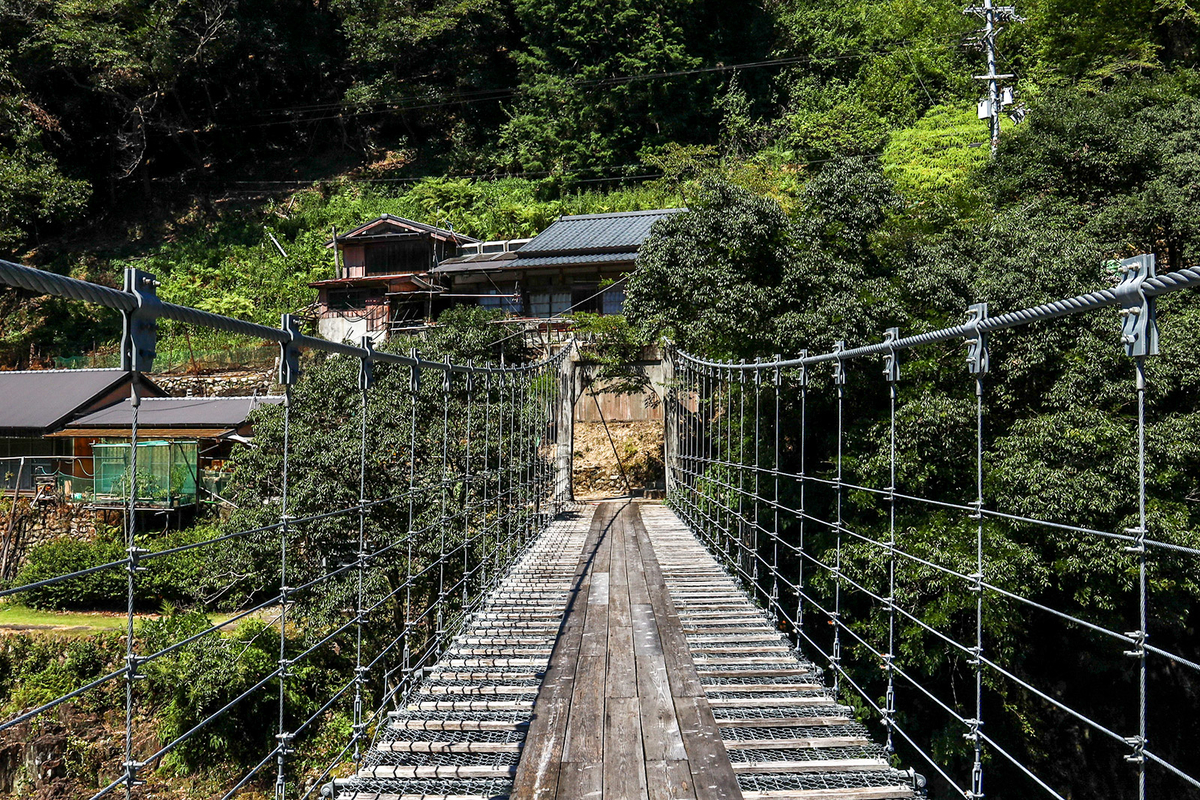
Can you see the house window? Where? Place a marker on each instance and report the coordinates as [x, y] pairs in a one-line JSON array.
[[396, 257], [507, 304], [352, 299], [549, 304], [583, 297], [613, 301]]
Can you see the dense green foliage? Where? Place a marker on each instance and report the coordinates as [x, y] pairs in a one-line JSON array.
[[177, 579], [147, 100]]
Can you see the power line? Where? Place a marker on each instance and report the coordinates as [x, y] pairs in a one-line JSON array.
[[342, 109]]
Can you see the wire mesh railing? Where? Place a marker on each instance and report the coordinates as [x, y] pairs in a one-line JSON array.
[[881, 524], [327, 560]]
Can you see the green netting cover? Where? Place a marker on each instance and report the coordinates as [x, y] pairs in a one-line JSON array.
[[166, 472]]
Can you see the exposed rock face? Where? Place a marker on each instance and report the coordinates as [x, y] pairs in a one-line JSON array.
[[53, 756], [596, 471]]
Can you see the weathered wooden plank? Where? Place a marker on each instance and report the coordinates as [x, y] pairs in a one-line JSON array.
[[538, 770], [646, 641], [816, 765], [621, 678], [661, 737], [581, 782], [796, 744], [396, 746], [872, 793], [624, 765], [669, 780], [585, 725], [712, 774]]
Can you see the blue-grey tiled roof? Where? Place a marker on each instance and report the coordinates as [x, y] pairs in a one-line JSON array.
[[39, 401], [567, 259], [167, 412], [621, 232]]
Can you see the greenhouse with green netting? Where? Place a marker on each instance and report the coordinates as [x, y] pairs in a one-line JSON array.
[[166, 474]]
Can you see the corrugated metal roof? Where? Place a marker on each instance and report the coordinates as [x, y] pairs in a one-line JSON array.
[[178, 412], [595, 233], [37, 401]]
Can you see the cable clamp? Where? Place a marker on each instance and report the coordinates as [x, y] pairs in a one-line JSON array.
[[977, 660], [285, 743], [134, 554], [366, 365], [131, 770], [289, 351], [132, 662], [1139, 329], [976, 582], [139, 334], [1138, 743], [802, 377], [978, 361], [1140, 546], [839, 369], [891, 364], [285, 667], [414, 381], [1139, 640]]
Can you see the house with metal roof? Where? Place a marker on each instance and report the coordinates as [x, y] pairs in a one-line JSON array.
[[381, 280], [562, 269], [35, 403], [183, 446]]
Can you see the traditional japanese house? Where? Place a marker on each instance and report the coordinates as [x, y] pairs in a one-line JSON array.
[[36, 403], [381, 283], [561, 269]]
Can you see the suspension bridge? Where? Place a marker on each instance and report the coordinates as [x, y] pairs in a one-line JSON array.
[[745, 639]]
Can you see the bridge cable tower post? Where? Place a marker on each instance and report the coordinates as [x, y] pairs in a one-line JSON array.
[[366, 377], [802, 512], [839, 380], [289, 374], [756, 525], [139, 342]]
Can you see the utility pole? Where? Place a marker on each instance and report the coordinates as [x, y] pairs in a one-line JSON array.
[[998, 96]]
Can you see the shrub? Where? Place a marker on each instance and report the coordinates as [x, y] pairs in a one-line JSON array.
[[179, 579]]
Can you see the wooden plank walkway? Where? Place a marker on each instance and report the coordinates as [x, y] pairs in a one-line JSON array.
[[618, 661]]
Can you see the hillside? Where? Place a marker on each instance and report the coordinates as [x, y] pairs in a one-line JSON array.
[[182, 136]]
